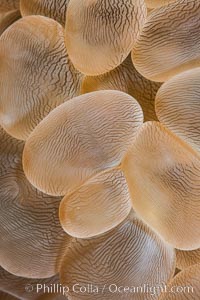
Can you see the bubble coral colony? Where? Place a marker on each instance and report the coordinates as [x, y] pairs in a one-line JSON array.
[[100, 149]]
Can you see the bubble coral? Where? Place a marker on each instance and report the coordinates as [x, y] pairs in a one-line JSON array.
[[171, 189], [49, 8], [117, 26], [105, 195], [130, 191], [163, 174], [29, 225], [90, 138], [38, 73], [177, 106], [129, 255], [125, 78], [169, 42], [82, 137]]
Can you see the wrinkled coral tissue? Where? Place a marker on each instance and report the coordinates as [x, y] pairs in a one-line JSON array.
[[100, 149]]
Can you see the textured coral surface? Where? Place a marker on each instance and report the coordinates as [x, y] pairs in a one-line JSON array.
[[99, 149]]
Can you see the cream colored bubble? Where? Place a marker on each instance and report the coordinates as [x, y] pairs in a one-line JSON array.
[[163, 174], [97, 206], [127, 256], [35, 74], [32, 241], [50, 8], [80, 138], [101, 34], [178, 106], [169, 42]]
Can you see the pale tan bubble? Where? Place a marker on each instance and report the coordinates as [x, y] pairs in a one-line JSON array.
[[79, 139], [97, 206], [169, 42], [35, 74], [127, 256], [32, 240], [163, 174], [178, 106], [101, 34], [55, 9]]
